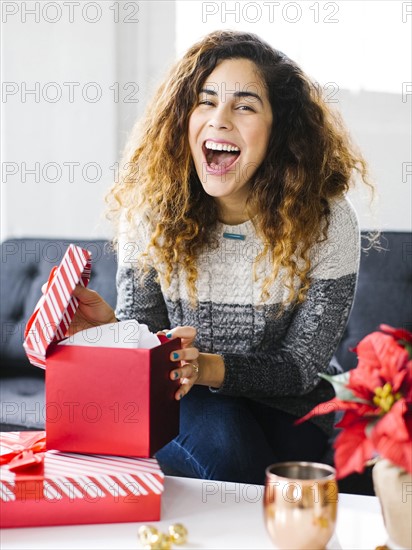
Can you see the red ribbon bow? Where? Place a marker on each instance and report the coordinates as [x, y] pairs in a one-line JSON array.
[[24, 455]]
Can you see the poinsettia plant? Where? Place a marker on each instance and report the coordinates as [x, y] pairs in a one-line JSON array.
[[376, 398]]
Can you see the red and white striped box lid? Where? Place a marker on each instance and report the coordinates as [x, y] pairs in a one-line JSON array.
[[79, 476], [55, 310]]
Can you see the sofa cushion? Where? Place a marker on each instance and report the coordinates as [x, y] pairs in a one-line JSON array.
[[383, 294], [22, 402]]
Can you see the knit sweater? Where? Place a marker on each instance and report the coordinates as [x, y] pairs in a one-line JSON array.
[[268, 358]]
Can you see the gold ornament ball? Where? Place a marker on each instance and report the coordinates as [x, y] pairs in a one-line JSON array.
[[163, 542], [148, 535], [178, 533]]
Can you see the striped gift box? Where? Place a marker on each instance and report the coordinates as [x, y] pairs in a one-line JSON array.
[[55, 310], [78, 489]]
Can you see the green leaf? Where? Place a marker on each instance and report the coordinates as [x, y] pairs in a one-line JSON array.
[[407, 346], [339, 383], [369, 427]]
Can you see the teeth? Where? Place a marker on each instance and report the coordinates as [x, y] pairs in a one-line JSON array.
[[221, 146]]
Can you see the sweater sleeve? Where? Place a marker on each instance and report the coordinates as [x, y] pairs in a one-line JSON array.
[[316, 326], [135, 300]]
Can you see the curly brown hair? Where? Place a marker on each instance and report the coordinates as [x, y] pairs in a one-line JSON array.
[[310, 160]]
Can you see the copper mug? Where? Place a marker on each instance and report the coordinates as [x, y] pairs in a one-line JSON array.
[[300, 504]]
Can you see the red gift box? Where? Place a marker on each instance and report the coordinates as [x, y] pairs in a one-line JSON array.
[[68, 488], [98, 399]]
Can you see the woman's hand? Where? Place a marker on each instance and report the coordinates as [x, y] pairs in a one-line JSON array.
[[188, 373], [92, 311], [206, 369]]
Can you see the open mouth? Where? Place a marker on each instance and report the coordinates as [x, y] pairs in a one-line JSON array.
[[220, 156]]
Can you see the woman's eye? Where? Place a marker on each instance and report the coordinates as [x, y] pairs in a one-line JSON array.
[[245, 108], [205, 102]]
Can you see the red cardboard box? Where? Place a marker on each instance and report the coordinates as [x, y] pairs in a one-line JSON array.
[[67, 489], [98, 399]]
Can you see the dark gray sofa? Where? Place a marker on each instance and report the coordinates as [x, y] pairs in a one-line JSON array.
[[384, 295]]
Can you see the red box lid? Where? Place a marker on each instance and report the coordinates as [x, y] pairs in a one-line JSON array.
[[55, 310]]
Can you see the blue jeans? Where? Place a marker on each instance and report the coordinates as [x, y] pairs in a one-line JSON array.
[[234, 439]]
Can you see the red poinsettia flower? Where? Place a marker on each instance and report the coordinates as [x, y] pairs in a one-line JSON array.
[[380, 359], [352, 448], [397, 333], [376, 398], [407, 383], [392, 436], [336, 404]]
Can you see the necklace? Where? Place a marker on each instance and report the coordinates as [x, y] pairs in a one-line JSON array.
[[235, 236]]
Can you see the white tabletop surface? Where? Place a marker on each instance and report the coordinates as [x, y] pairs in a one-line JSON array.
[[216, 514]]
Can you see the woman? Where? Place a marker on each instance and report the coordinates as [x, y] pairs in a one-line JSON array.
[[234, 234]]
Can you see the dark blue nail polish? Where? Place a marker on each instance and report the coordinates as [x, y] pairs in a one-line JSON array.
[[175, 375], [169, 335], [175, 355]]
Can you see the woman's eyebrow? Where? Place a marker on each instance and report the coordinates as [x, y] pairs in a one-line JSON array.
[[235, 94], [208, 91], [248, 94]]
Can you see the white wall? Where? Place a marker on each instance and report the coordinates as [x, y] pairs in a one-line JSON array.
[[117, 58], [380, 124], [134, 42]]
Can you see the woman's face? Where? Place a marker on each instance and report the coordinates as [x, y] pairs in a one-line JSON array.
[[229, 132]]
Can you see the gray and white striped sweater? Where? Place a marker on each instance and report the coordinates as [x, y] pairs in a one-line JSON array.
[[271, 359]]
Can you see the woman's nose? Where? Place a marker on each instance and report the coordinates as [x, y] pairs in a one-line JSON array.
[[221, 118]]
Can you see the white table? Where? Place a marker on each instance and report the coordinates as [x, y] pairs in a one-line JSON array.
[[217, 515]]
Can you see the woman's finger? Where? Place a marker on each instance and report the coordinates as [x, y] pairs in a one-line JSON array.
[[188, 370], [87, 295], [188, 374], [164, 331], [186, 333], [186, 354], [184, 389]]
